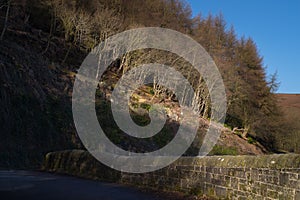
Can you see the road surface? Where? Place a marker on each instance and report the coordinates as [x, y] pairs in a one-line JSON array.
[[17, 185]]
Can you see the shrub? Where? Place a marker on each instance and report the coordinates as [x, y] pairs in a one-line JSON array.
[[221, 150], [251, 140], [145, 106]]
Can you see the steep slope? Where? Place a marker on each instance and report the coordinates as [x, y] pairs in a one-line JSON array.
[[35, 104], [35, 101]]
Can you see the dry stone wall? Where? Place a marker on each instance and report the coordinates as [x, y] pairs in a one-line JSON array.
[[226, 177]]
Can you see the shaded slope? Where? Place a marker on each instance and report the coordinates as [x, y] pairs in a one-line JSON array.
[[34, 102]]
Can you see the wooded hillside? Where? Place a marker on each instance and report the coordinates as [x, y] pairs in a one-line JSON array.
[[45, 41]]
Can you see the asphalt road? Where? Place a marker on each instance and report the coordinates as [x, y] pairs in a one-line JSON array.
[[25, 185]]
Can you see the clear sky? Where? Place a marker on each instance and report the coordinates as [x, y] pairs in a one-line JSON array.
[[275, 27]]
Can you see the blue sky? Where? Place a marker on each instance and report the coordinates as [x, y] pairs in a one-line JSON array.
[[275, 27]]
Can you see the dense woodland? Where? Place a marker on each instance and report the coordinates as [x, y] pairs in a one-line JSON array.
[[67, 30]]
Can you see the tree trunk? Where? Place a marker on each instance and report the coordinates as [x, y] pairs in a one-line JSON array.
[[6, 20]]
